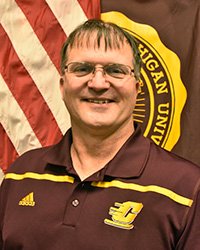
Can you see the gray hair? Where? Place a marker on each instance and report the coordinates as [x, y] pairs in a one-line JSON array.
[[113, 35]]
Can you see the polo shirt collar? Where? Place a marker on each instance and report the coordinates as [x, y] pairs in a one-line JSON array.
[[130, 160], [59, 154]]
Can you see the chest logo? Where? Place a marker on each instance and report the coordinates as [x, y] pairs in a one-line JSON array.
[[28, 200], [123, 214]]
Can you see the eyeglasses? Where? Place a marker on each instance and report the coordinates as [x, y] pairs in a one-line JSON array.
[[114, 70]]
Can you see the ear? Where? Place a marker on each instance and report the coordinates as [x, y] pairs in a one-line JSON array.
[[138, 86], [61, 80], [61, 86]]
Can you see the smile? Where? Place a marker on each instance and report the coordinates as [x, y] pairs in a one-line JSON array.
[[99, 101]]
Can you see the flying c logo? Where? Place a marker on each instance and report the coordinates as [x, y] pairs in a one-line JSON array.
[[162, 94], [123, 214]]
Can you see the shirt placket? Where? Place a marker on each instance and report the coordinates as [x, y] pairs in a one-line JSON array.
[[75, 204]]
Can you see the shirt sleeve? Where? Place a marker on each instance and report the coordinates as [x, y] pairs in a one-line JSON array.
[[190, 238]]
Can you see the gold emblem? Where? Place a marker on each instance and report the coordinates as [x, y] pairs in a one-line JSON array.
[[123, 214], [28, 200]]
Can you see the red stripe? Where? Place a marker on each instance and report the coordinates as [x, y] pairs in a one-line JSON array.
[[45, 26], [7, 151], [90, 8], [26, 93]]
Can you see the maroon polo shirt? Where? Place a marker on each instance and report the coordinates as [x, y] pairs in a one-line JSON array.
[[144, 199]]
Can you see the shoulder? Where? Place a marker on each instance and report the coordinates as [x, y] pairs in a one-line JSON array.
[[36, 159], [29, 161], [172, 171], [171, 160], [160, 159]]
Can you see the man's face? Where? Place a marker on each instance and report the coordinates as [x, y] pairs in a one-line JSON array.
[[96, 101]]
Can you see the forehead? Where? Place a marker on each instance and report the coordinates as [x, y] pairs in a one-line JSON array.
[[108, 39], [104, 45]]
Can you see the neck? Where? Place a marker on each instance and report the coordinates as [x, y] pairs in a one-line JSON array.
[[92, 150]]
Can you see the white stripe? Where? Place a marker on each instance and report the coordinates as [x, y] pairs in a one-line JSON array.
[[35, 59], [1, 175], [15, 122], [69, 13]]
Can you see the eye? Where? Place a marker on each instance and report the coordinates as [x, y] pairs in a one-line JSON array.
[[117, 70], [80, 69]]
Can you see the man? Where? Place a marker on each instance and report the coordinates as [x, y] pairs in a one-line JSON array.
[[104, 186]]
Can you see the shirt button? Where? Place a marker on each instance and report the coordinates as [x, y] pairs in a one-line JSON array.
[[75, 203]]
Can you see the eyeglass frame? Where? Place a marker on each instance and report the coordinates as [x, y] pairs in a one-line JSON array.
[[131, 71]]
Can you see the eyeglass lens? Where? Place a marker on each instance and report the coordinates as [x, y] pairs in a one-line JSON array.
[[114, 70]]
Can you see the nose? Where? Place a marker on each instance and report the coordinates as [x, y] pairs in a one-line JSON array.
[[98, 80]]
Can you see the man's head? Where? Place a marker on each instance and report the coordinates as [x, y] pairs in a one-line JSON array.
[[113, 37], [100, 72]]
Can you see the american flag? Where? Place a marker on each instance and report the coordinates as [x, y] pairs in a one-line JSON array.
[[32, 113]]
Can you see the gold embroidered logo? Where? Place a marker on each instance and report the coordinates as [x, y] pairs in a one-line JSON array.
[[123, 214], [28, 200]]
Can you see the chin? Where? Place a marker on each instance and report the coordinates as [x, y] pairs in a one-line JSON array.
[[98, 124]]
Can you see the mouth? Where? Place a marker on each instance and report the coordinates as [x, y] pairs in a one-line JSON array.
[[99, 101]]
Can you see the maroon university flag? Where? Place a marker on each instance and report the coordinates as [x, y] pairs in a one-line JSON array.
[[32, 32], [168, 33]]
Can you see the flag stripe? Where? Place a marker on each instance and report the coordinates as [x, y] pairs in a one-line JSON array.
[[64, 14], [14, 120], [9, 154], [1, 175], [46, 83], [46, 27], [91, 8], [23, 84]]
